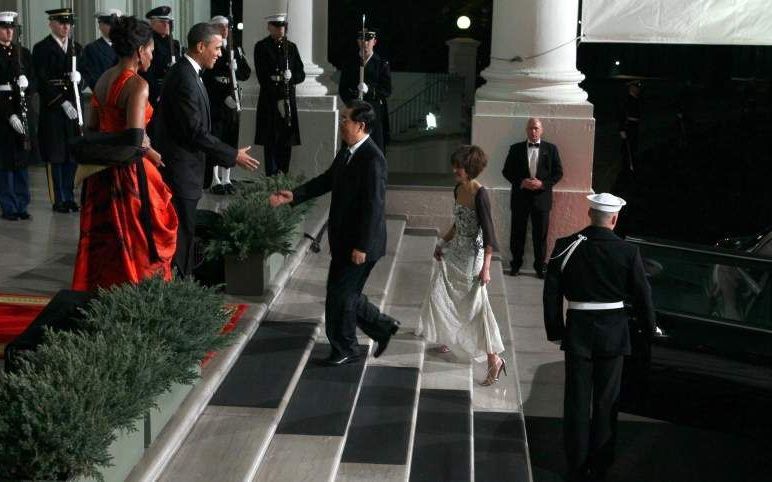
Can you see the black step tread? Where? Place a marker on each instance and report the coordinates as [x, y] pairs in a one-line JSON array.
[[263, 371], [442, 446], [499, 447], [380, 430], [324, 396]]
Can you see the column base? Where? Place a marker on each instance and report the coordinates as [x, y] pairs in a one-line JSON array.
[[531, 86], [318, 120]]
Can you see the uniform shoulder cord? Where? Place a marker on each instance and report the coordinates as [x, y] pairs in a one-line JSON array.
[[570, 250]]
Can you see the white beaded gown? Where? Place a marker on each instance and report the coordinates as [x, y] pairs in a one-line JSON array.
[[456, 311]]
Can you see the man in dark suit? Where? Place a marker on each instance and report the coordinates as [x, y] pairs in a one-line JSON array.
[[357, 230], [58, 121], [597, 272], [225, 111], [279, 68], [376, 87], [533, 167], [99, 55], [185, 139], [165, 54]]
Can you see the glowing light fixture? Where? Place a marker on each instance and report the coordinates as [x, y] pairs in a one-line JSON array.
[[616, 62], [431, 121], [240, 26], [463, 22]]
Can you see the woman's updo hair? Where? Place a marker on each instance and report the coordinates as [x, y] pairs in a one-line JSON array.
[[471, 158], [128, 34]]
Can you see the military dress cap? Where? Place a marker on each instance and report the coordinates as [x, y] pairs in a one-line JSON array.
[[219, 20], [605, 202], [369, 34], [279, 19], [164, 12], [109, 15], [8, 19], [62, 15]]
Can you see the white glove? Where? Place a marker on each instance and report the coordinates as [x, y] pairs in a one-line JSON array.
[[287, 75], [70, 110], [362, 87], [16, 124], [230, 102], [75, 77], [22, 82], [623, 135]]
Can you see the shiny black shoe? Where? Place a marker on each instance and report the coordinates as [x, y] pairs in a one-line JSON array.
[[229, 189], [71, 206], [336, 360], [24, 216], [218, 189], [60, 208], [383, 343], [10, 217]]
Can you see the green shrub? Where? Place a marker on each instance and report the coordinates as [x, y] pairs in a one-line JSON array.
[[249, 225], [62, 407], [185, 316]]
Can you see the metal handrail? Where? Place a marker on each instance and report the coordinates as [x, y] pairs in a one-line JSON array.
[[411, 111]]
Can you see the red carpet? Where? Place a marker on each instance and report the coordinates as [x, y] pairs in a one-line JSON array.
[[18, 311]]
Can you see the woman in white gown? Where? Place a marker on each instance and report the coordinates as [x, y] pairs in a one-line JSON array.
[[457, 311]]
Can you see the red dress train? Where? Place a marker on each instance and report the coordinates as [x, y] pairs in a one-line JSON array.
[[128, 225]]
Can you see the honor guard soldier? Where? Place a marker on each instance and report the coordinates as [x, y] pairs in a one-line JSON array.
[[376, 87], [99, 55], [225, 101], [59, 108], [15, 87], [279, 69], [629, 123], [597, 272], [165, 53]]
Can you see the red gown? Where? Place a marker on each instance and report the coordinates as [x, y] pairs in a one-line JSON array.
[[120, 242]]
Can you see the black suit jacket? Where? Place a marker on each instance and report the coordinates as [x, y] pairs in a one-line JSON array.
[[183, 132], [357, 214], [549, 171], [604, 269]]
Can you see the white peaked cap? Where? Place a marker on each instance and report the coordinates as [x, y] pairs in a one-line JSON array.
[[279, 17], [608, 203], [8, 17], [219, 19], [109, 12]]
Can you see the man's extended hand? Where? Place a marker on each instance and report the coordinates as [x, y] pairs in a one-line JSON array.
[[358, 257], [280, 197], [245, 160]]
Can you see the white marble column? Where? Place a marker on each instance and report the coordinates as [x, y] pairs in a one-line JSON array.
[[540, 35], [544, 83], [321, 22], [301, 32]]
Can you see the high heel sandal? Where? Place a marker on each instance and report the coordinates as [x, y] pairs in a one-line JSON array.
[[494, 372], [443, 349]]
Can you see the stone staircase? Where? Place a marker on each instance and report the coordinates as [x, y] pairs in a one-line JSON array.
[[410, 415]]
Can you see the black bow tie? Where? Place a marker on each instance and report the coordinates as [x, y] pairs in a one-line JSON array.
[[533, 144]]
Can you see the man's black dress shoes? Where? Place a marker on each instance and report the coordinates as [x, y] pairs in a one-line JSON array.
[[337, 360], [384, 342]]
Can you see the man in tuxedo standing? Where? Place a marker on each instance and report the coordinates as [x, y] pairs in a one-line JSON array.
[[185, 138], [533, 167], [357, 230]]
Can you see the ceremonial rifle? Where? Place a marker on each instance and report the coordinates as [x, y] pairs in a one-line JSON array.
[[75, 88], [287, 87], [171, 42], [232, 57], [361, 94], [23, 108]]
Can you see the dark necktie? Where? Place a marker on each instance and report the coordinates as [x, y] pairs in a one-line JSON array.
[[346, 156]]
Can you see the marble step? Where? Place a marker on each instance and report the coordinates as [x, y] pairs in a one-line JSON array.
[[380, 438], [310, 438]]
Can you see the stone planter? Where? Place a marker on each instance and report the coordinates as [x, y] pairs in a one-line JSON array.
[[251, 276], [126, 451], [168, 403]]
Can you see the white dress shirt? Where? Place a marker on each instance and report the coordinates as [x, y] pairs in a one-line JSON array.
[[353, 149], [533, 158]]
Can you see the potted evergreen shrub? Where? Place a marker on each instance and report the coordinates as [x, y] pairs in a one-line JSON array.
[[250, 231]]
